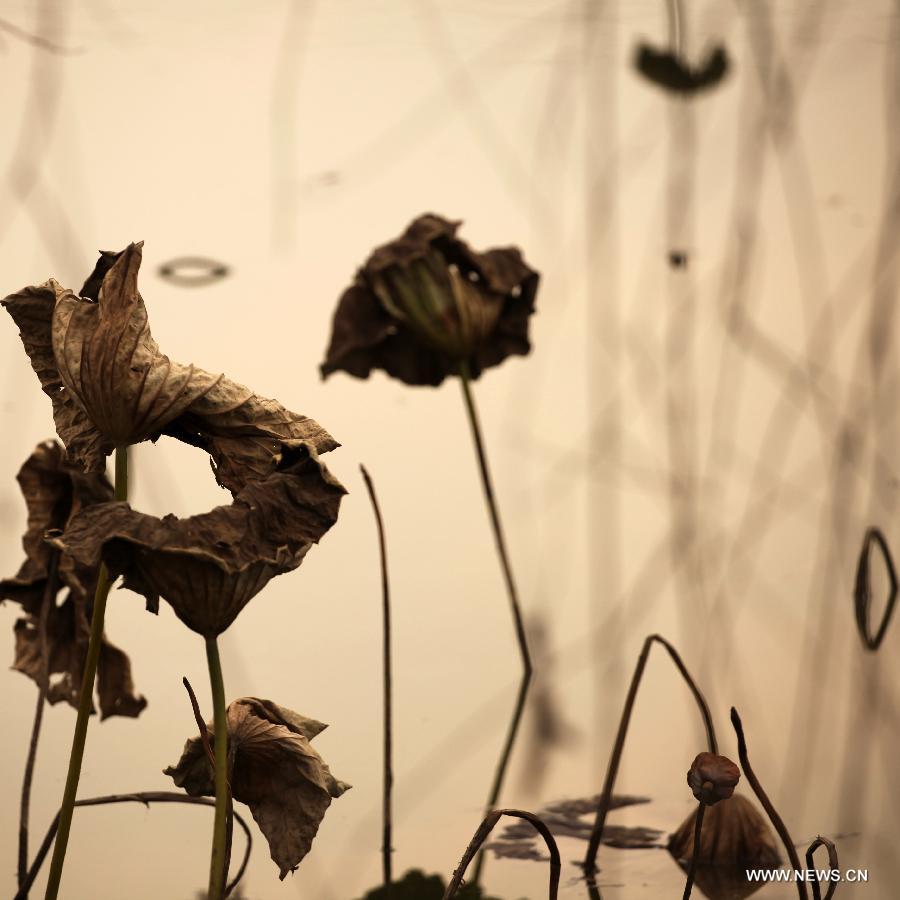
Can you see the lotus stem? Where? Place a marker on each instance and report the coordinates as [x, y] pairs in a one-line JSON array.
[[833, 864], [43, 686], [388, 782], [766, 803], [512, 593], [692, 870], [612, 770], [219, 854], [85, 699], [145, 797], [485, 828]]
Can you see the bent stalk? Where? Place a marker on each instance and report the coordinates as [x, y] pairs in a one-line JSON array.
[[85, 700], [513, 595]]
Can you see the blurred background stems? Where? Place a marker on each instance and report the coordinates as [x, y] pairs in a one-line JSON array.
[[512, 593], [85, 698]]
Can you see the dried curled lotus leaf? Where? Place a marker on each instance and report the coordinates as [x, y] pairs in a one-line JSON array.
[[277, 773], [55, 491], [426, 302], [67, 640], [111, 386], [208, 567]]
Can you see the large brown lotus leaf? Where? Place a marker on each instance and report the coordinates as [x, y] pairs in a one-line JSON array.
[[286, 784], [426, 302], [209, 566], [68, 632], [733, 834], [111, 386]]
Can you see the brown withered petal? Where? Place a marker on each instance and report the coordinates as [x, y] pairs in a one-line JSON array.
[[56, 490], [209, 566], [425, 302], [733, 834], [286, 784], [68, 632], [712, 778], [111, 386]]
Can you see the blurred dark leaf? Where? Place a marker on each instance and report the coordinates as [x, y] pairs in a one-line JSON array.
[[668, 71]]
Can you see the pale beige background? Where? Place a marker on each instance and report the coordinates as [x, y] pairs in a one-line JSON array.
[[727, 417]]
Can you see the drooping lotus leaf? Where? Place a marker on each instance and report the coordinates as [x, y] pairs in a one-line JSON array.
[[673, 73], [111, 386], [426, 302], [55, 491], [416, 885], [209, 566], [733, 834], [277, 773]]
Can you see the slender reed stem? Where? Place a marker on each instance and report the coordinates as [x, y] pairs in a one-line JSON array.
[[692, 871], [145, 797], [612, 770], [485, 828], [217, 874], [766, 803], [500, 542], [85, 700], [388, 785], [48, 597]]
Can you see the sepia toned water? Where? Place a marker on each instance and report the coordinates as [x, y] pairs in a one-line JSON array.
[[694, 447]]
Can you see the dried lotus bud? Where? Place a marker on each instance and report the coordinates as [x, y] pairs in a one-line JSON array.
[[712, 778]]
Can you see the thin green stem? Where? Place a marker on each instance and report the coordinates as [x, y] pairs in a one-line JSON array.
[[85, 700], [217, 874], [512, 593]]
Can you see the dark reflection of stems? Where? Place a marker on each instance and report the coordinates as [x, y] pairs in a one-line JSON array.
[[487, 486], [612, 770], [388, 783], [862, 591], [833, 864], [692, 871], [47, 599], [763, 798], [145, 797], [485, 828]]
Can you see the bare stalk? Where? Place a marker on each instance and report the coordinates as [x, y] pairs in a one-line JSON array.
[[219, 853], [388, 780], [145, 797], [513, 595], [612, 770], [485, 828], [43, 686], [692, 871], [763, 798], [85, 700]]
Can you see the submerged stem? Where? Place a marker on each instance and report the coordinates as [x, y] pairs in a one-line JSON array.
[[512, 593], [85, 700], [387, 787], [612, 770], [217, 874]]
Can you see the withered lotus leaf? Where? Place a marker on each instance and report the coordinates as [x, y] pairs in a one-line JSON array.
[[209, 566], [426, 302], [277, 773], [733, 834], [55, 491], [111, 386]]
